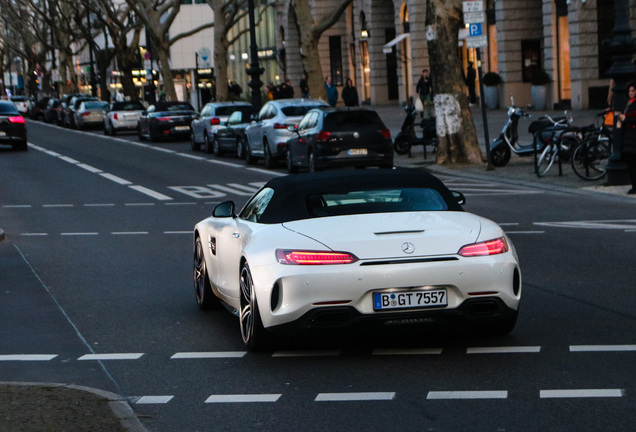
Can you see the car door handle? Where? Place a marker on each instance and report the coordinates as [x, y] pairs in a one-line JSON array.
[[236, 234]]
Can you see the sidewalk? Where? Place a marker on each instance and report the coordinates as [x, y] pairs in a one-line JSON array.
[[520, 170]]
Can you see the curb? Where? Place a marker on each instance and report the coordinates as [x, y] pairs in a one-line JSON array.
[[118, 404]]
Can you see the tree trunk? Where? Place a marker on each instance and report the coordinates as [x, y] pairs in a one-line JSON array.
[[309, 50], [164, 69], [455, 127], [220, 52]]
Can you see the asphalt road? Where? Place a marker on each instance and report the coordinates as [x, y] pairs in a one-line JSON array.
[[96, 290]]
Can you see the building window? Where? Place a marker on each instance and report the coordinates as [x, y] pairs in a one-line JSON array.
[[530, 57], [605, 21], [335, 56]]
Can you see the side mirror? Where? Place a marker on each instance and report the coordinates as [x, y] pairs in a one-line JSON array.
[[292, 128], [459, 197], [224, 210]]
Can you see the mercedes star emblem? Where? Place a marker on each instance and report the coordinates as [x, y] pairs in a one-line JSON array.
[[408, 248]]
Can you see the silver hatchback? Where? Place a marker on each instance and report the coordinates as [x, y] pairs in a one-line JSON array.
[[91, 113], [267, 137]]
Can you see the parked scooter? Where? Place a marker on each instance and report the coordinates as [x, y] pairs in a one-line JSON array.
[[544, 130], [408, 137]]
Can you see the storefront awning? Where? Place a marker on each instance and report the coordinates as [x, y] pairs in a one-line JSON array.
[[386, 49]]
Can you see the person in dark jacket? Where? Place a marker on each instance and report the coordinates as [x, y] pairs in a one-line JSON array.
[[332, 91], [424, 89], [304, 86], [350, 94], [628, 124], [471, 76]]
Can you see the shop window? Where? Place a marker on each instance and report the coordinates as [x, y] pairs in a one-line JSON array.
[[335, 56], [530, 57]]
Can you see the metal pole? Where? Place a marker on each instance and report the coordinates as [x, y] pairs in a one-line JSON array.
[[93, 80], [255, 70]]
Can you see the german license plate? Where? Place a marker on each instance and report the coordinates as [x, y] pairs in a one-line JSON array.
[[409, 299], [181, 128], [357, 152]]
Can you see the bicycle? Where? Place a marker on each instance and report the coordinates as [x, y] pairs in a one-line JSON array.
[[559, 141], [590, 157]]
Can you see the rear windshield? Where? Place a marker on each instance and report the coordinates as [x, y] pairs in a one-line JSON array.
[[228, 110], [375, 201], [298, 111], [181, 107], [128, 106], [346, 119], [95, 105], [8, 108]]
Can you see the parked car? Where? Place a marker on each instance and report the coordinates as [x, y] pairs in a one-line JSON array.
[[166, 120], [230, 134], [68, 112], [22, 103], [343, 249], [90, 113], [212, 116], [123, 116], [12, 126], [52, 111], [329, 137], [37, 109], [267, 137]]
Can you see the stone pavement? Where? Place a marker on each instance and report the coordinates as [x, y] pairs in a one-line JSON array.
[[67, 408]]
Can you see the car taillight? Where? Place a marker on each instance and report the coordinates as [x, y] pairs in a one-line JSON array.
[[280, 126], [299, 257], [86, 114], [490, 247], [16, 119], [386, 133], [215, 121], [115, 116], [164, 119], [323, 135]]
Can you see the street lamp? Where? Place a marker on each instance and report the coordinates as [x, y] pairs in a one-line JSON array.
[[622, 46], [93, 78], [255, 70]]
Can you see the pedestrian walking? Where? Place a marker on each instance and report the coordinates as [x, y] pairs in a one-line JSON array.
[[628, 124], [471, 75], [350, 94], [332, 92], [424, 89], [304, 86]]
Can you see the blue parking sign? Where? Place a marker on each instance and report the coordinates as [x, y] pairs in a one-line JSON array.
[[474, 29]]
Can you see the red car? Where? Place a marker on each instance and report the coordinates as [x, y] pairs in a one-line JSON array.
[[12, 127]]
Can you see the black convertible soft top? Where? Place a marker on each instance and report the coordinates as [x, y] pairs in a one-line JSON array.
[[288, 201]]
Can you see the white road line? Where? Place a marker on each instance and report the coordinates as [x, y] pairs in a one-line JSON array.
[[69, 160], [244, 187], [178, 232], [27, 357], [113, 356], [359, 396], [180, 203], [494, 394], [206, 355], [33, 234], [79, 233], [239, 398], [264, 171], [189, 156], [151, 193], [416, 351], [503, 350], [89, 168], [325, 353], [116, 179], [601, 348], [229, 190], [57, 205], [581, 393], [508, 224], [154, 399], [129, 232], [139, 204], [162, 149], [99, 205], [230, 164], [17, 206]]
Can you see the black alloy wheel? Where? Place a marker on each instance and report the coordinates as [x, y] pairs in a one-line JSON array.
[[249, 157], [291, 168], [193, 144], [216, 147], [202, 289], [207, 145]]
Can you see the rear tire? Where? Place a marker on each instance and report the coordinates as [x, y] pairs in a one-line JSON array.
[[269, 159], [202, 288], [401, 145], [590, 159], [193, 144], [254, 335], [216, 147], [207, 145], [291, 168], [249, 157]]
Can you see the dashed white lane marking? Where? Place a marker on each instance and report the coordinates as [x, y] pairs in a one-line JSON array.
[[129, 232], [602, 348], [489, 394], [243, 398], [113, 356], [325, 353], [359, 396], [139, 204], [100, 205], [27, 357], [89, 168], [581, 393], [115, 178], [423, 351], [57, 205], [244, 187], [150, 192], [17, 206], [181, 203], [503, 350], [206, 355], [154, 399], [33, 234], [69, 160], [79, 233]]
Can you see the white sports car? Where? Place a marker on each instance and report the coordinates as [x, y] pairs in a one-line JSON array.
[[351, 248]]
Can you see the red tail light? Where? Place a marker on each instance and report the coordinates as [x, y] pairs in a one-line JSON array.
[[86, 114], [115, 116], [386, 133], [215, 121], [490, 247], [164, 119], [324, 135], [16, 119], [296, 257], [280, 126]]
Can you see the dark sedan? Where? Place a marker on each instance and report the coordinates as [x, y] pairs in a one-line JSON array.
[[230, 135], [327, 138], [12, 126], [166, 120]]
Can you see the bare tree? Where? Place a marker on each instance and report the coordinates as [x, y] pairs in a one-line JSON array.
[[455, 128], [310, 31], [158, 16]]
